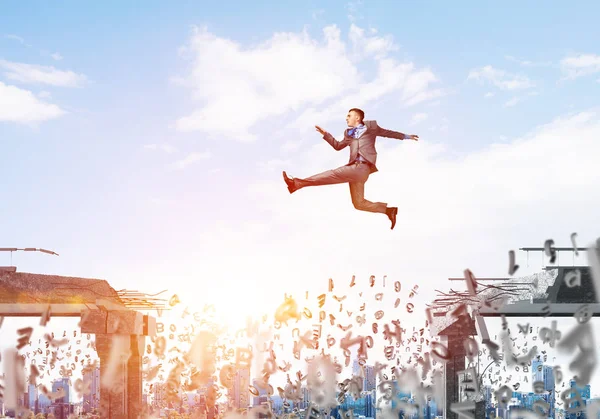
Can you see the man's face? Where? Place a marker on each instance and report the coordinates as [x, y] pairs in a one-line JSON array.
[[352, 119]]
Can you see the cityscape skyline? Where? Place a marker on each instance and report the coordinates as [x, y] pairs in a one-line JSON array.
[[364, 403]]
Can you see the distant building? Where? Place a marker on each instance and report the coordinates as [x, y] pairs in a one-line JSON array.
[[487, 395], [62, 384], [61, 410], [277, 404], [61, 407], [436, 410], [545, 374], [584, 393], [32, 396], [192, 399], [360, 407], [241, 392], [305, 403], [43, 404], [159, 395], [368, 374], [91, 381], [262, 393], [77, 409]]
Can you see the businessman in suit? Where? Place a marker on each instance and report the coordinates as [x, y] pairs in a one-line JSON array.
[[360, 136]]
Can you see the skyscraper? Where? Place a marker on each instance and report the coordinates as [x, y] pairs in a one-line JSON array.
[[32, 395], [61, 406], [241, 393], [305, 403], [256, 400], [355, 367], [62, 384], [91, 381], [544, 373], [158, 395], [584, 393], [369, 378]]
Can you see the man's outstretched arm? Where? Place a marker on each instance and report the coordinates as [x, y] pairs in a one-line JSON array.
[[395, 134], [338, 145]]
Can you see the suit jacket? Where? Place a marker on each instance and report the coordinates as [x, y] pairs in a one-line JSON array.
[[365, 144]]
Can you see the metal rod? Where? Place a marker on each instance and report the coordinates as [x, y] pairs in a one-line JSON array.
[[26, 249], [555, 248], [480, 279]]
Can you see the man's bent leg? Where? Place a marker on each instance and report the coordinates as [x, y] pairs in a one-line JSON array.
[[357, 192], [342, 174]]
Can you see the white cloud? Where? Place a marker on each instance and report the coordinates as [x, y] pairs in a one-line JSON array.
[[500, 78], [518, 99], [44, 94], [489, 94], [56, 56], [37, 74], [417, 118], [580, 65], [512, 102], [443, 127], [392, 78], [167, 148], [190, 159], [18, 39], [15, 37], [528, 63], [353, 8], [365, 46], [274, 164], [239, 87], [291, 145], [19, 105]]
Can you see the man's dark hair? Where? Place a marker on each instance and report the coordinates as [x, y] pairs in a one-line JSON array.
[[359, 112]]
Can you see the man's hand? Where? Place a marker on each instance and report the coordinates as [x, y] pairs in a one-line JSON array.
[[321, 130], [412, 137]]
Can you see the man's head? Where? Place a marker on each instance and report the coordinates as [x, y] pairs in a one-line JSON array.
[[355, 117]]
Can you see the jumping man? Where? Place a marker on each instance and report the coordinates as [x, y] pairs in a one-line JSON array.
[[360, 136]]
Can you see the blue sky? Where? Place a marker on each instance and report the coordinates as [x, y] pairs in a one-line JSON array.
[[149, 153]]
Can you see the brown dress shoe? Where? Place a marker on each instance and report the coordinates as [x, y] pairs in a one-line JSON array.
[[289, 182], [391, 213]]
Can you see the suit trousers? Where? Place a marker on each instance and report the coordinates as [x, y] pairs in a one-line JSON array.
[[355, 175]]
